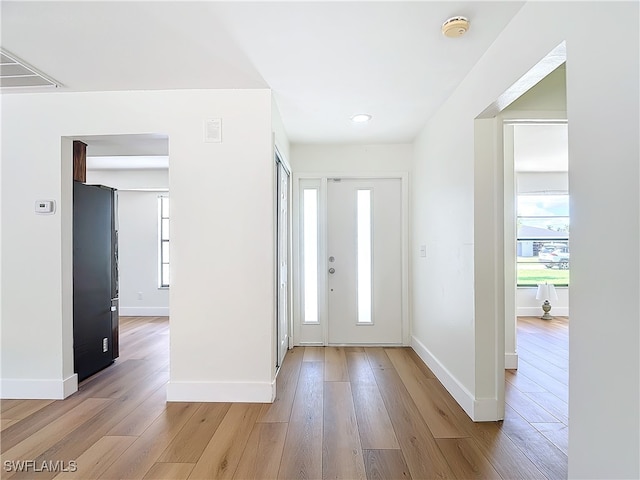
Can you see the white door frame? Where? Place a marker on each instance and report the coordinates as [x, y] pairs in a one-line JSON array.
[[504, 138], [321, 337]]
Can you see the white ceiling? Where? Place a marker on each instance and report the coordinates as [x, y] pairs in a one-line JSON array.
[[324, 61]]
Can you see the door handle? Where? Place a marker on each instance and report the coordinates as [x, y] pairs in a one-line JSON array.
[[332, 270]]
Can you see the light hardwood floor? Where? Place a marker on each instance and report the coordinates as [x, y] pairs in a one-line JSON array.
[[352, 413]]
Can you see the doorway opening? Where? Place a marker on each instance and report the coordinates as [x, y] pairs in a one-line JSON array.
[[135, 167], [537, 375]]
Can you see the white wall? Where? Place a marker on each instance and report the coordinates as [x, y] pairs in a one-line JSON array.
[[138, 247], [222, 201], [279, 133], [131, 179], [602, 84], [536, 182], [351, 158], [550, 94], [138, 243]]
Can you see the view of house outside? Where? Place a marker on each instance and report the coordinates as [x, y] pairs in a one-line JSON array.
[[543, 239]]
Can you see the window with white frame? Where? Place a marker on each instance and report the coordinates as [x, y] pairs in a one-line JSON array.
[[310, 254], [163, 257], [543, 239]]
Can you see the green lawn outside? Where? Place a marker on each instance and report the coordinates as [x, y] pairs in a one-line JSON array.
[[531, 274]]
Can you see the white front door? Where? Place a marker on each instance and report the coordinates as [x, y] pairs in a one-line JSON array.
[[364, 261]]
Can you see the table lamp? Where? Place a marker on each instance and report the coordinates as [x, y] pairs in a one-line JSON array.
[[545, 292]]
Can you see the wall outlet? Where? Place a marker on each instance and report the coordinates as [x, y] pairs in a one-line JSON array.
[[105, 344], [423, 251], [139, 295]]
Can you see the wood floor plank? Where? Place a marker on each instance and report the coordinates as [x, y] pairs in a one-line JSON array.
[[374, 424], [335, 365], [193, 438], [222, 454], [435, 413], [556, 433], [261, 457], [169, 471], [6, 423], [507, 459], [528, 409], [26, 427], [98, 457], [140, 418], [466, 459], [386, 465], [378, 359], [418, 361], [37, 443], [558, 373], [313, 354], [302, 455], [75, 443], [553, 356], [359, 370], [24, 408], [353, 349], [7, 403], [521, 382], [133, 376], [559, 389], [545, 455], [552, 404], [143, 453], [423, 457], [342, 453], [280, 409]]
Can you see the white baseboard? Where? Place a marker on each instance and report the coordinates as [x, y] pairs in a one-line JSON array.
[[38, 389], [479, 410], [537, 311], [510, 361], [257, 392], [144, 311]]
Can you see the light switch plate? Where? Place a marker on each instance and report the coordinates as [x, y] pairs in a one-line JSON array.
[[213, 130]]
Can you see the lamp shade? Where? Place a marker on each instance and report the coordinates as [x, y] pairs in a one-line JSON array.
[[546, 292]]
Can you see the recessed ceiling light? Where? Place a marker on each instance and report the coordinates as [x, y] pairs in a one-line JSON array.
[[361, 118]]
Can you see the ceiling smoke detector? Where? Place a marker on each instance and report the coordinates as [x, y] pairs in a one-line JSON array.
[[455, 27]]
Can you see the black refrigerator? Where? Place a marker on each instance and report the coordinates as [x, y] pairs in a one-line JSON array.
[[95, 278]]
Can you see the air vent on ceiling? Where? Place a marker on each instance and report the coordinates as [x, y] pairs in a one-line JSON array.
[[15, 73]]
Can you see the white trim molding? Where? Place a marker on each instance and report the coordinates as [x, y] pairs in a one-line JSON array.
[[510, 361], [478, 409], [33, 389], [537, 311], [239, 392], [144, 311]]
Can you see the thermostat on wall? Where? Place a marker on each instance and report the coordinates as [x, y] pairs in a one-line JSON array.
[[46, 207]]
